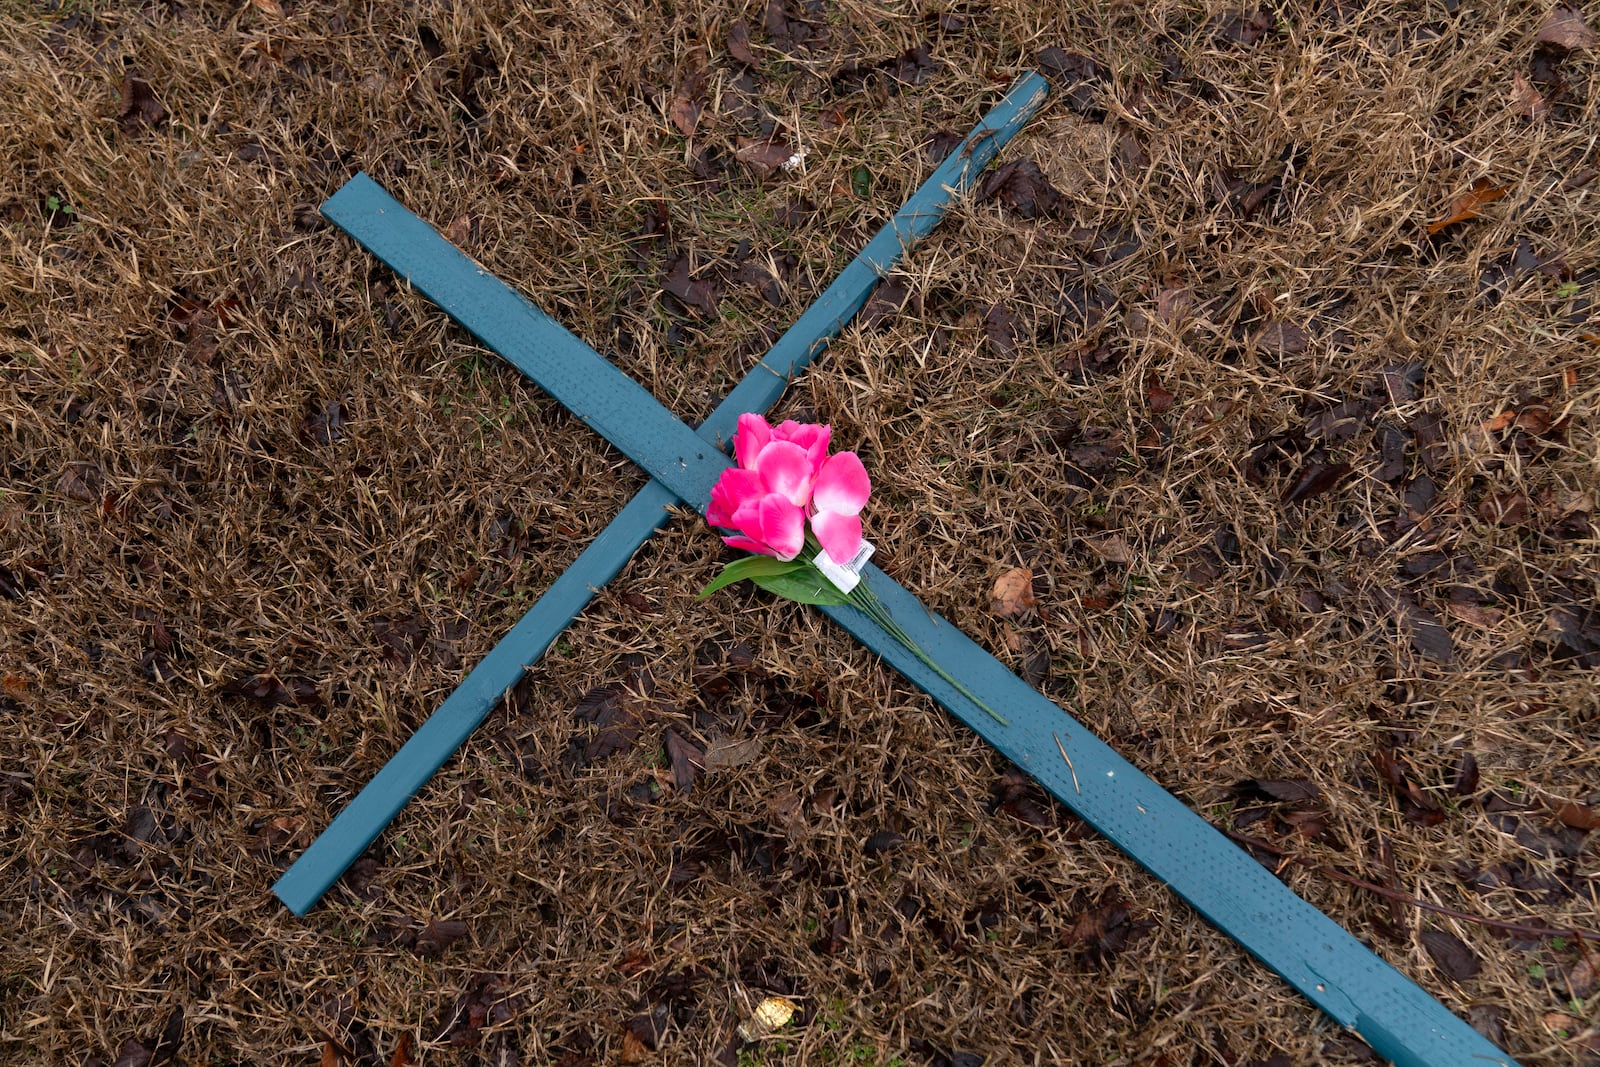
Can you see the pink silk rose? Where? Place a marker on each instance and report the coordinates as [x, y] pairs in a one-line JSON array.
[[785, 477]]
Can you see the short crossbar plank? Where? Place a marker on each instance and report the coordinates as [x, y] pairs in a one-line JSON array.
[[360, 822]]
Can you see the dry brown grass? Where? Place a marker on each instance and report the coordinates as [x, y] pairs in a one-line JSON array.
[[182, 509]]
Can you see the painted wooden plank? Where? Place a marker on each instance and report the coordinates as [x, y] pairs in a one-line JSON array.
[[360, 822], [1230, 889]]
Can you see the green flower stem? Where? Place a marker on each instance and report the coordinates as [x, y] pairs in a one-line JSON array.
[[866, 601]]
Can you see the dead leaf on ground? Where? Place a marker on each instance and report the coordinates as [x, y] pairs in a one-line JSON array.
[[696, 294], [684, 112], [1158, 396], [1281, 790], [1417, 804], [324, 425], [1526, 100], [883, 841], [1113, 548], [432, 940], [1241, 27], [686, 759], [139, 104], [723, 753], [272, 690], [1282, 339], [763, 157], [1584, 978], [1173, 303], [1469, 204], [1013, 593], [461, 231], [785, 807], [739, 43], [1479, 615], [633, 1049], [81, 481], [1000, 327], [1316, 479], [1101, 932], [1499, 422], [133, 1054], [1428, 636], [1578, 816], [1565, 28], [888, 297], [1450, 954], [402, 1052], [1504, 509], [1022, 186], [271, 7]]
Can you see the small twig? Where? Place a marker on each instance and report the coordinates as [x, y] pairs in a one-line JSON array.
[[1063, 750], [1526, 930]]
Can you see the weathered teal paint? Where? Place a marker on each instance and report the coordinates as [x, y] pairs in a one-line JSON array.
[[380, 223], [1310, 951]]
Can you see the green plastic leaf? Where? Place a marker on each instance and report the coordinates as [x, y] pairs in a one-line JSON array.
[[750, 568], [804, 585]]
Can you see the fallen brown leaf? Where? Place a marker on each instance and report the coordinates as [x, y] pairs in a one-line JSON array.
[[739, 43], [1499, 422], [461, 230], [686, 760], [1428, 635], [763, 157], [1475, 614], [633, 1049], [1315, 479], [271, 7], [1173, 303], [1564, 27], [1113, 548], [685, 114], [1469, 204], [1450, 954], [139, 104], [1013, 593], [1526, 100], [1578, 816], [723, 753], [1283, 338], [402, 1052]]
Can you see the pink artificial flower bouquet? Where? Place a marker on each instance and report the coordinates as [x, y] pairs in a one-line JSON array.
[[785, 479], [798, 510]]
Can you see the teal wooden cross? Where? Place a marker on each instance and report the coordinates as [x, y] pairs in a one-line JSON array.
[[1311, 952]]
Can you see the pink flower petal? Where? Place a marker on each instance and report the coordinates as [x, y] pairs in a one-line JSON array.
[[786, 470], [734, 488], [747, 516], [839, 534], [842, 485], [746, 544], [809, 436], [751, 437], [783, 526]]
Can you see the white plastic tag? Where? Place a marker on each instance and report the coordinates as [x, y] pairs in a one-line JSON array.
[[846, 576]]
